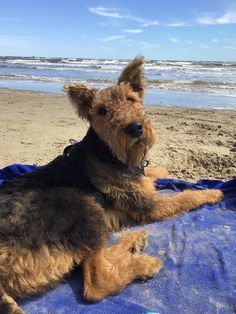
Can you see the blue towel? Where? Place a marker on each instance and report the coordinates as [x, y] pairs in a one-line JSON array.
[[199, 254]]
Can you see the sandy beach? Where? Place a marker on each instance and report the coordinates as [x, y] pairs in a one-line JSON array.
[[192, 143]]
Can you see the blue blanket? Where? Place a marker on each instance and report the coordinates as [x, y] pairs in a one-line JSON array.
[[199, 254]]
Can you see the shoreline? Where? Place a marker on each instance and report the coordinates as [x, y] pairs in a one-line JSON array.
[[191, 143], [172, 97], [146, 105]]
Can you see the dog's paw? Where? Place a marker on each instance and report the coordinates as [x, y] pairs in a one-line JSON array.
[[17, 311], [213, 196], [156, 172], [139, 241], [148, 266]]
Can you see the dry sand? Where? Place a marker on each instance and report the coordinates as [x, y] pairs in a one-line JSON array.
[[192, 143]]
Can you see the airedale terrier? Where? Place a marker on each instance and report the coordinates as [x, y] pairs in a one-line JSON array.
[[61, 214]]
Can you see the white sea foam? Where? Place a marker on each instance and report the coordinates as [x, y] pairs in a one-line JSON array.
[[213, 78]]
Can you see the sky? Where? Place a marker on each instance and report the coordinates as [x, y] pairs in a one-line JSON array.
[[157, 29]]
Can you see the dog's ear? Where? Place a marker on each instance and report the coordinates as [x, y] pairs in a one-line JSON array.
[[81, 97], [133, 74]]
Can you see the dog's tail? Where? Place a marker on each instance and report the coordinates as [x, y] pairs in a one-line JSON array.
[[7, 304]]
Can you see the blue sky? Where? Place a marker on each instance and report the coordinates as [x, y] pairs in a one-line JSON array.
[[157, 29]]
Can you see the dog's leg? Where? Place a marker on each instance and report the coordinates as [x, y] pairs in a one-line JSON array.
[[108, 271], [134, 242], [171, 206], [156, 172], [8, 304]]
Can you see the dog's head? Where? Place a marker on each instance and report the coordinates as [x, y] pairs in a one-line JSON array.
[[117, 115]]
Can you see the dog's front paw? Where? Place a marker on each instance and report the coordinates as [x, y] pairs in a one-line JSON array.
[[156, 172], [17, 311], [148, 266], [213, 196], [139, 241]]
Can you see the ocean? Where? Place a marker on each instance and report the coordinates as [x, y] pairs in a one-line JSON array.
[[192, 84]]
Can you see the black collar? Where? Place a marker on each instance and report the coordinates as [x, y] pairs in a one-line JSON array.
[[93, 145]]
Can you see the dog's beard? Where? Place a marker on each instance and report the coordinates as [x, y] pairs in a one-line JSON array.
[[131, 152], [136, 155]]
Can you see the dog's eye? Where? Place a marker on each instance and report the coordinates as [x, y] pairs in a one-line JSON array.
[[130, 99], [102, 111]]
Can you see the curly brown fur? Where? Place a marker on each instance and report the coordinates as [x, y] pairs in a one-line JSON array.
[[61, 214]]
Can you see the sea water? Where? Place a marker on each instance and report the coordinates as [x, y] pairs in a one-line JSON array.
[[193, 84]]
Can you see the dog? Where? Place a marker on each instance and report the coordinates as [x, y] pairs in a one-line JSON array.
[[61, 214]]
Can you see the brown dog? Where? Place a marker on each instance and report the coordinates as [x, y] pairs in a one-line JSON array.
[[60, 215]]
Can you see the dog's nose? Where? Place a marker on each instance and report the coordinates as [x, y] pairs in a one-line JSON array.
[[134, 129]]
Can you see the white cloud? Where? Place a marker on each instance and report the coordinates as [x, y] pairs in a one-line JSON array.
[[133, 31], [150, 23], [173, 40], [231, 40], [210, 18], [231, 47], [227, 18], [215, 40], [207, 20], [178, 24], [111, 38], [114, 13], [146, 45], [109, 12]]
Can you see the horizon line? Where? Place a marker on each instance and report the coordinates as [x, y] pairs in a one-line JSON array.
[[124, 59]]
